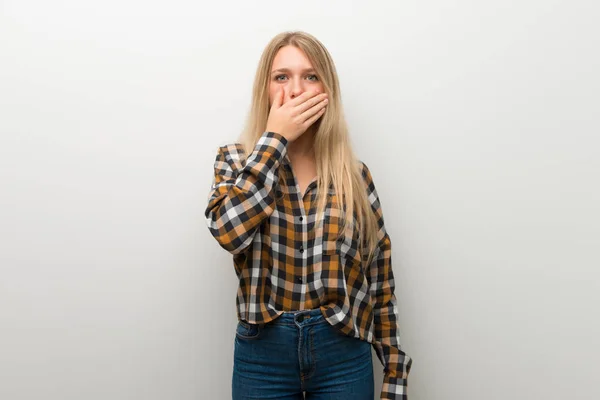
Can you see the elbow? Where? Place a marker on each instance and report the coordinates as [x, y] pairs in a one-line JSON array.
[[227, 239], [235, 249], [234, 246]]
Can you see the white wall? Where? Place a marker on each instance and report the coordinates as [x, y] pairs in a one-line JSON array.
[[478, 119]]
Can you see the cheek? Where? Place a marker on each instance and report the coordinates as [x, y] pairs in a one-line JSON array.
[[318, 85], [272, 92]]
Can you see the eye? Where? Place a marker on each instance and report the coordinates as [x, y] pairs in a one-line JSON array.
[[277, 77], [312, 77]]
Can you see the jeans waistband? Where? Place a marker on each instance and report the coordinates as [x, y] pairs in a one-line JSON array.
[[307, 316]]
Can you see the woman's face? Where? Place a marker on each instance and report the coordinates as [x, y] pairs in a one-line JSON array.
[[293, 72]]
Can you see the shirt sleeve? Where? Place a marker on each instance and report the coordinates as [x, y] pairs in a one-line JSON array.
[[386, 343], [241, 197]]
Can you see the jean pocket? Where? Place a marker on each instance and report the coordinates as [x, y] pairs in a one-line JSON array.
[[246, 330]]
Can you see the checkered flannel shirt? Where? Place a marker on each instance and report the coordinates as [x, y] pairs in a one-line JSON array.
[[288, 259]]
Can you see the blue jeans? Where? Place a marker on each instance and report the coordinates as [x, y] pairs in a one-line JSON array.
[[300, 352]]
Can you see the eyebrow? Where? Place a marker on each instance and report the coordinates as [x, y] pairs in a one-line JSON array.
[[288, 70]]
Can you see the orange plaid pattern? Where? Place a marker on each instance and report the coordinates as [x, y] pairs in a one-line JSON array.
[[287, 258]]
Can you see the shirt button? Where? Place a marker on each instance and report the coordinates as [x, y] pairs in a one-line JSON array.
[[301, 249], [299, 280], [301, 218]]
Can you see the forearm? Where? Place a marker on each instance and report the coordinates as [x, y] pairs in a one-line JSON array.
[[241, 199]]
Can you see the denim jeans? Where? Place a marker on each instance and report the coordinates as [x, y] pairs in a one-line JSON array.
[[300, 352]]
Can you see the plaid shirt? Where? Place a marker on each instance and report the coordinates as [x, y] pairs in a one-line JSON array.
[[288, 259]]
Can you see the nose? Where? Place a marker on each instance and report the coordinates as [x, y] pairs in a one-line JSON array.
[[296, 88]]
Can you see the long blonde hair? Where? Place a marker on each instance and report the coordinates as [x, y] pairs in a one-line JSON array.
[[336, 162]]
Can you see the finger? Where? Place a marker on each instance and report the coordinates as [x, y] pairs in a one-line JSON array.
[[314, 118], [301, 108], [302, 98], [313, 110]]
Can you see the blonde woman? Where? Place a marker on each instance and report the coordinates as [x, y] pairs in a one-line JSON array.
[[301, 216]]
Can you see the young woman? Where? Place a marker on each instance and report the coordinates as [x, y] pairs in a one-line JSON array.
[[301, 216]]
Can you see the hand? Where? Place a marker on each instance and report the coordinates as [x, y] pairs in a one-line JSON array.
[[293, 118]]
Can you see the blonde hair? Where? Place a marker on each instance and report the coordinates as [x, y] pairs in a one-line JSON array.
[[336, 162]]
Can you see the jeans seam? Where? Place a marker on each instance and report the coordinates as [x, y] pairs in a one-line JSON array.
[[311, 349]]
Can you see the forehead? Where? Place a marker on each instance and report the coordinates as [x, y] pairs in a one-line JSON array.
[[291, 57]]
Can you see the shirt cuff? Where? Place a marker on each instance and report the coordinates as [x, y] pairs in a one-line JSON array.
[[394, 388]]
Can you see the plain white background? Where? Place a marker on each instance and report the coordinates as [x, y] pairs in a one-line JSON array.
[[478, 119]]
